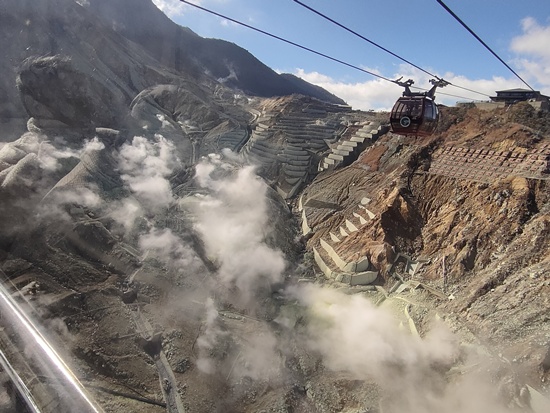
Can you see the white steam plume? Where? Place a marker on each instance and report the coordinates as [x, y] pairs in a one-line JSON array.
[[353, 335], [233, 221], [145, 167], [348, 332], [50, 153], [58, 204], [211, 338], [83, 196], [125, 212], [259, 358], [170, 249]]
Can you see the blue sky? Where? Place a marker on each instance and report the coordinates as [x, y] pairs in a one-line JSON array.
[[421, 31]]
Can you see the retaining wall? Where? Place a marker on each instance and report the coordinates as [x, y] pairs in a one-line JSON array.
[[486, 165]]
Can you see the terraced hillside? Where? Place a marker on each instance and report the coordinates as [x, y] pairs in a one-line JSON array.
[[184, 246], [456, 223], [178, 280]]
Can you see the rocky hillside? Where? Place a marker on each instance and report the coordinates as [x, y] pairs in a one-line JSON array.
[[189, 249], [464, 212], [126, 46]]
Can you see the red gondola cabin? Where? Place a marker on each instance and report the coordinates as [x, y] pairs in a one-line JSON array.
[[414, 115]]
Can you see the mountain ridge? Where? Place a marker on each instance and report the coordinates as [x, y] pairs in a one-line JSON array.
[[220, 58], [126, 46], [189, 242]]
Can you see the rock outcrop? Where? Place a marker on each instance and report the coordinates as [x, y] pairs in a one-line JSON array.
[[116, 50], [164, 224], [56, 94]]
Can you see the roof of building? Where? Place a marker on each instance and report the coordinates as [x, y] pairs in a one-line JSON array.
[[517, 90]]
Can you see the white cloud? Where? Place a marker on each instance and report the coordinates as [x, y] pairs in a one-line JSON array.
[[172, 8], [228, 23], [532, 63], [372, 94], [175, 8], [534, 40], [379, 94], [533, 52]]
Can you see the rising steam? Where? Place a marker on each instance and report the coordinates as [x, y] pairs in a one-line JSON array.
[[348, 332], [145, 167], [232, 220], [354, 336]]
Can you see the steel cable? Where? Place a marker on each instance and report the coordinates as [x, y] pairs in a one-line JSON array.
[[481, 41], [309, 49], [381, 47]]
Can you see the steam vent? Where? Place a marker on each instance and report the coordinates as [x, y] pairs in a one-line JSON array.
[[185, 230]]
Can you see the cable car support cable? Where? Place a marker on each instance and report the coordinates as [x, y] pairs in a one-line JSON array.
[[285, 40], [313, 51], [481, 41], [383, 48], [362, 37]]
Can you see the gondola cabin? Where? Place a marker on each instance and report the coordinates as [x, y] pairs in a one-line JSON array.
[[414, 115]]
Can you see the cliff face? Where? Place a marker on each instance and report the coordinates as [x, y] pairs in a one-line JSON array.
[[263, 254], [467, 207], [126, 46]]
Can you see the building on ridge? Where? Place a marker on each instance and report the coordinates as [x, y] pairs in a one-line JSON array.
[[511, 96]]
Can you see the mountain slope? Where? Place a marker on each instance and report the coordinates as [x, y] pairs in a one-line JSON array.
[[63, 27], [151, 216], [126, 46], [181, 49]]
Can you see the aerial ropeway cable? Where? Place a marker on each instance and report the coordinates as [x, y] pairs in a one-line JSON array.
[[284, 40], [383, 48], [309, 49], [481, 41], [362, 37]]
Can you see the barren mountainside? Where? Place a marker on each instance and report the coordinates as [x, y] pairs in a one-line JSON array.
[[189, 244], [127, 46]]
